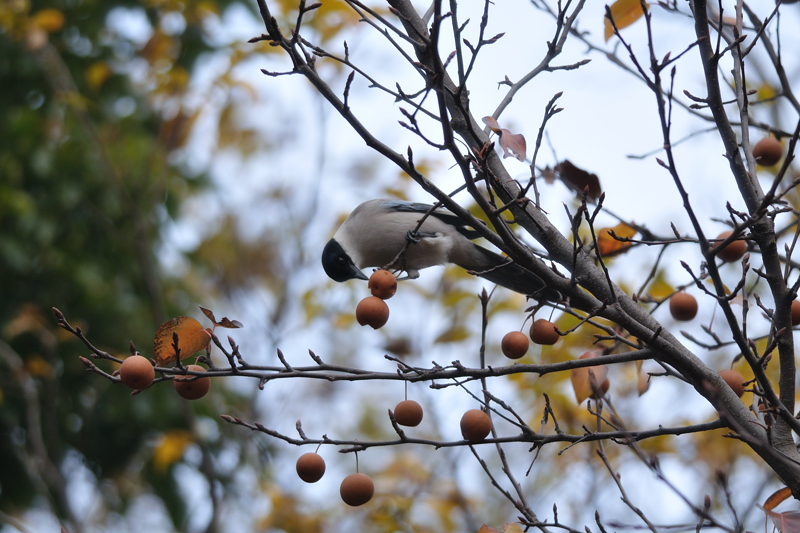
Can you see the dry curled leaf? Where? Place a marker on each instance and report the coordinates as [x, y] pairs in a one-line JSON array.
[[225, 322], [511, 143], [191, 339], [785, 522], [209, 314], [624, 13]]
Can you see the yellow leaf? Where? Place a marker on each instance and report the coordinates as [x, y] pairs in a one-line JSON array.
[[725, 288], [97, 74], [624, 13], [766, 92], [660, 288], [453, 334], [170, 448], [191, 339], [644, 382], [49, 20]]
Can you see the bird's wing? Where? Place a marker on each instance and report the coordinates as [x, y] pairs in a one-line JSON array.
[[440, 213], [502, 270]]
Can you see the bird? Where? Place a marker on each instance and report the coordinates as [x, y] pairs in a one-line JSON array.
[[376, 232]]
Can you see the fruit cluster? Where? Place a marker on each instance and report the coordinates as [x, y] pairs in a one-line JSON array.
[[372, 310], [358, 489], [137, 372]]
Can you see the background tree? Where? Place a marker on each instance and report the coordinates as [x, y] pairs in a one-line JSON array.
[[101, 103], [299, 310]]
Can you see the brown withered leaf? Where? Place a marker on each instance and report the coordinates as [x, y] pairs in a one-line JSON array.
[[191, 339], [225, 322], [549, 175], [228, 323], [578, 179], [511, 143], [209, 314]]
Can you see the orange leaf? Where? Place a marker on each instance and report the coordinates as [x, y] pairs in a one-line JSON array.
[[50, 20], [191, 339], [607, 244], [586, 380], [624, 13], [776, 498]]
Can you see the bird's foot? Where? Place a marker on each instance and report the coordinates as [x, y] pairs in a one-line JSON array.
[[411, 236], [410, 274]]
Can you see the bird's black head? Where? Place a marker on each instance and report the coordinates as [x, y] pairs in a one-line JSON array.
[[337, 264]]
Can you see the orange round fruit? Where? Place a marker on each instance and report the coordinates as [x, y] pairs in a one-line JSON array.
[[383, 284], [408, 413], [768, 151], [734, 251], [795, 312], [544, 332], [683, 306], [310, 467], [372, 311], [475, 425], [514, 344], [356, 489], [734, 380], [189, 386], [136, 372]]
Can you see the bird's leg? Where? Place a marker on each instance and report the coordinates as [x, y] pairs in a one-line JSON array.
[[410, 274]]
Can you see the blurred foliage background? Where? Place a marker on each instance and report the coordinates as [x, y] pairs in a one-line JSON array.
[[96, 109], [117, 119]]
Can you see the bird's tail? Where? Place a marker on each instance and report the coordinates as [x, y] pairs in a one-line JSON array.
[[504, 272]]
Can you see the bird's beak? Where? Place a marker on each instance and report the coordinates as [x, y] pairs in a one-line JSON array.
[[358, 274]]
